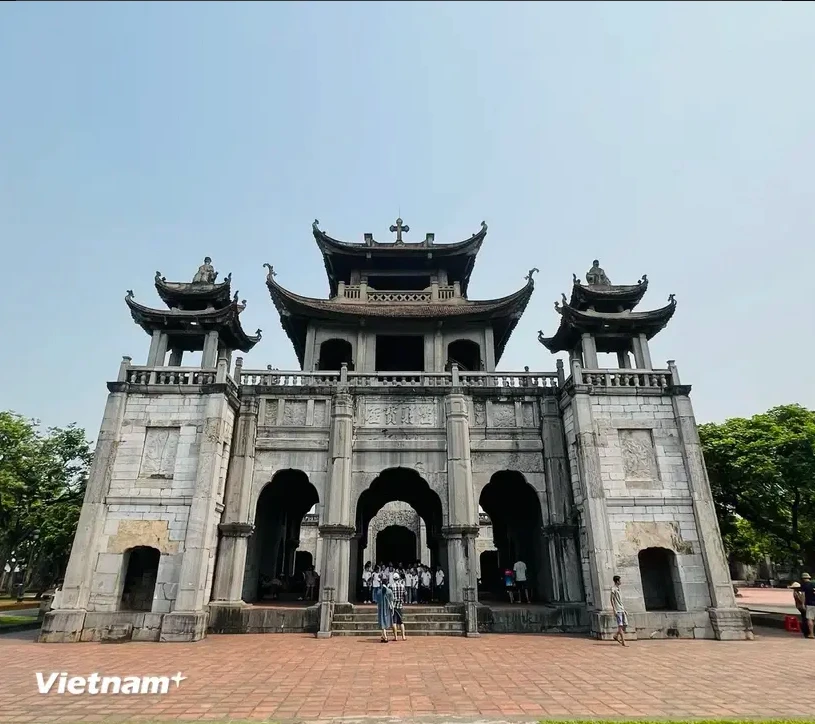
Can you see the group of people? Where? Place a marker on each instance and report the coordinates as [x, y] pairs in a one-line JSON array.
[[516, 581], [423, 584], [392, 587], [804, 595]]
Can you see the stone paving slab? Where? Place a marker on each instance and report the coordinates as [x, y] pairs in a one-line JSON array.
[[292, 677]]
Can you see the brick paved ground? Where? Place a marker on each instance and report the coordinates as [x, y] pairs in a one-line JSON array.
[[284, 677]]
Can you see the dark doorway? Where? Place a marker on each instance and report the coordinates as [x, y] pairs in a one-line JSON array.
[[399, 353], [271, 566], [465, 353], [396, 544], [333, 352], [515, 512], [141, 566], [491, 579], [657, 567]]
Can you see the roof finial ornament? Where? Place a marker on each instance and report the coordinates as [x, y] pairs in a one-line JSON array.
[[159, 278], [563, 297], [540, 336], [672, 298], [484, 226], [596, 277], [644, 279], [315, 225], [130, 294], [206, 273], [575, 279], [528, 277], [271, 273], [398, 227]]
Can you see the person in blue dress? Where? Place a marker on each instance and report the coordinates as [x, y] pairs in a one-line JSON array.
[[384, 609]]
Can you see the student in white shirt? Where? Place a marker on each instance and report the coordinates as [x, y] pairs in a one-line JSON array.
[[521, 582], [376, 584], [367, 573], [439, 583], [424, 586]]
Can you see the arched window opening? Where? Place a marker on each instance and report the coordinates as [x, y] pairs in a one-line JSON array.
[[466, 354], [141, 571], [514, 510], [660, 579], [333, 352], [273, 567]]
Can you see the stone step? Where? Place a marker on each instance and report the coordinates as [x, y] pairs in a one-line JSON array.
[[410, 633], [409, 626], [407, 615]]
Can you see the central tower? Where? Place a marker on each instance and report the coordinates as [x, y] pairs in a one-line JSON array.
[[398, 307]]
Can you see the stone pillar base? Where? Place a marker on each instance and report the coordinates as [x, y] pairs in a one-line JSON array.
[[62, 626], [604, 626], [731, 624], [184, 626]]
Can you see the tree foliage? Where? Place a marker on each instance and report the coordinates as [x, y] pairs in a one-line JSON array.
[[42, 483], [762, 474]]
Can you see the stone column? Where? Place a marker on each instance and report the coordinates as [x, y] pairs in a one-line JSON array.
[[188, 621], [559, 529], [461, 560], [642, 355], [729, 621], [65, 623], [237, 518], [209, 356], [158, 349], [595, 515], [462, 528], [589, 351], [338, 527]]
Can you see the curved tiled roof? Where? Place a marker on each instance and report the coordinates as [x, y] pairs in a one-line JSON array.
[[296, 310]]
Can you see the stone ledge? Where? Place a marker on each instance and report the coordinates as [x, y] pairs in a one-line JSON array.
[[684, 501], [179, 500]]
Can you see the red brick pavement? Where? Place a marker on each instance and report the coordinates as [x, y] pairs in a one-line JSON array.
[[283, 677]]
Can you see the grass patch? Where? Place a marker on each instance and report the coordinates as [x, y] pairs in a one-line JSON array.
[[14, 620]]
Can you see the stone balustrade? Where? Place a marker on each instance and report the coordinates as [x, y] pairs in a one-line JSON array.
[[280, 378], [364, 293], [659, 379], [170, 376]]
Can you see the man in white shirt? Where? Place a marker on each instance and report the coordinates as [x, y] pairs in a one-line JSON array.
[[424, 586], [376, 584], [439, 583], [521, 583]]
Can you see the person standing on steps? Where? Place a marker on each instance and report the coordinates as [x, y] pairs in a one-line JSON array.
[[424, 590], [367, 574], [619, 612], [376, 584], [398, 588], [384, 610], [439, 583], [519, 569]]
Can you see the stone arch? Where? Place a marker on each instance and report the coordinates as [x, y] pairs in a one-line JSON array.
[[279, 510], [140, 565], [661, 582], [333, 352], [514, 508], [466, 354], [407, 486]]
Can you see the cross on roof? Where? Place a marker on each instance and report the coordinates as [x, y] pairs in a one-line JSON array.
[[399, 228]]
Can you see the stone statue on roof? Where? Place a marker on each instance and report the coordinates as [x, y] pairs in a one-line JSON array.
[[206, 273], [596, 276]]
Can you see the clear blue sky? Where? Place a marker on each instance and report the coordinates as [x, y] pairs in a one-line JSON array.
[[675, 140]]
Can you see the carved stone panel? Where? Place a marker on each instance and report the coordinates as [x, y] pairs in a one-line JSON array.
[[528, 414], [270, 417], [479, 414], [639, 458], [408, 413], [320, 413], [503, 414], [294, 412], [158, 456]]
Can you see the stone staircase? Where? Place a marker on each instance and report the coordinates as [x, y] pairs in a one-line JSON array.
[[419, 621]]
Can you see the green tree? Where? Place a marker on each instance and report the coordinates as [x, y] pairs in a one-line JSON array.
[[42, 483], [762, 474]]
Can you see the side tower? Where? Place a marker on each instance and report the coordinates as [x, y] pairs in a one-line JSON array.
[[640, 485], [142, 560]]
